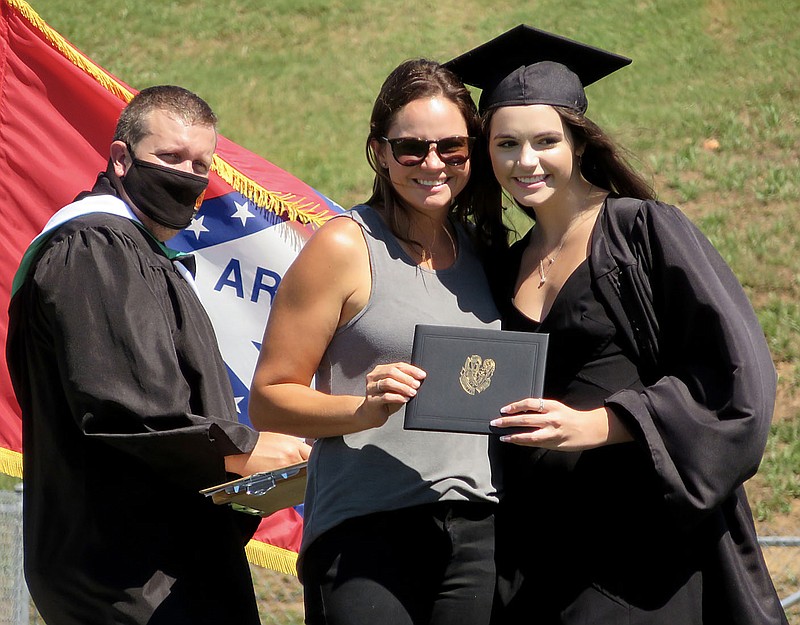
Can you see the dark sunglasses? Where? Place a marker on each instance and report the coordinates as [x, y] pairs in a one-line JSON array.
[[451, 150]]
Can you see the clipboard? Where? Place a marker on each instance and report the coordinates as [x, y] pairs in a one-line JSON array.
[[472, 373], [263, 493]]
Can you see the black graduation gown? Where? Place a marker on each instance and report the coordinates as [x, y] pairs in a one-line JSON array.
[[127, 413], [635, 533]]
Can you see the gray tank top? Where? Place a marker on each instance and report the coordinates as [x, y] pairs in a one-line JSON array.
[[387, 468]]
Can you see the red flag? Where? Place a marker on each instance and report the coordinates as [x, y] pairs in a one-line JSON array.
[[57, 115]]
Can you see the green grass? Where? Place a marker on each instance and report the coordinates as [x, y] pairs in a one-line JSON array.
[[709, 107], [7, 482], [294, 80], [780, 470]]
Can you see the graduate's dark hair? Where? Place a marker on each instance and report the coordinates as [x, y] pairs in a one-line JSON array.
[[413, 80], [177, 102], [602, 162]]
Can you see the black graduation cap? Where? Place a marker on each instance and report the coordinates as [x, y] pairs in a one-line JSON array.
[[530, 66]]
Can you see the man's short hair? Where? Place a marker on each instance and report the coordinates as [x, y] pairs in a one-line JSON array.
[[177, 102]]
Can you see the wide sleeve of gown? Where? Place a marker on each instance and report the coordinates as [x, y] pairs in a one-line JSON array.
[[120, 318], [706, 415]]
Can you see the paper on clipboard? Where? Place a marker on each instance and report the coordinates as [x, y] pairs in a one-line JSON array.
[[263, 493]]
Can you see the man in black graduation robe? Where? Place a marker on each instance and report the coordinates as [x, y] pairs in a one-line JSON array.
[[127, 408]]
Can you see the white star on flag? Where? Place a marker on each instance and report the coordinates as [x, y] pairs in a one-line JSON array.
[[242, 212], [197, 226]]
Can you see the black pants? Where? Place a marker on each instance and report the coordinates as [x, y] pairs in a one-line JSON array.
[[425, 565]]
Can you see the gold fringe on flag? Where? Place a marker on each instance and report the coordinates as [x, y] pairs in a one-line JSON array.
[[272, 557], [70, 53], [282, 204], [11, 462]]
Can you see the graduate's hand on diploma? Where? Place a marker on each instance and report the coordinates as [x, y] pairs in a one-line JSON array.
[[272, 451], [552, 425]]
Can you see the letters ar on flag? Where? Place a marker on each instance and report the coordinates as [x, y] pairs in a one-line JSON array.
[[58, 110]]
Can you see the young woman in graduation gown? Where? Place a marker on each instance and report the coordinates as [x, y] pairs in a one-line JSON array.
[[624, 500]]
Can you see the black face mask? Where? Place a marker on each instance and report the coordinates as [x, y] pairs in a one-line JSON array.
[[167, 196]]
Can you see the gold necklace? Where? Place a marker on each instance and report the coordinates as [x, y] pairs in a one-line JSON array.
[[429, 256], [550, 260], [452, 242], [543, 271]]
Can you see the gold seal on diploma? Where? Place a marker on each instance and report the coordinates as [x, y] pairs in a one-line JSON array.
[[476, 374]]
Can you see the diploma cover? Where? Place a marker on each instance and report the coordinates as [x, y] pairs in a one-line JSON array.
[[471, 374], [263, 493]]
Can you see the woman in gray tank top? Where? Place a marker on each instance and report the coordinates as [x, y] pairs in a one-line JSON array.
[[399, 525]]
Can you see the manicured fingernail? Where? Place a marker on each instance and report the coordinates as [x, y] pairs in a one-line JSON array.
[[494, 422]]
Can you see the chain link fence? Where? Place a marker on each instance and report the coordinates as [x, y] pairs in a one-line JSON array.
[[783, 558], [280, 597], [14, 602]]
